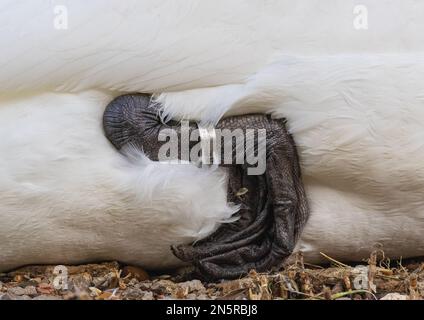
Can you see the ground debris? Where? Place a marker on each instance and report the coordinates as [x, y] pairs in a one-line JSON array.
[[376, 278], [395, 296]]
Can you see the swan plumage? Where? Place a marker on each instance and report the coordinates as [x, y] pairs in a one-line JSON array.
[[353, 99]]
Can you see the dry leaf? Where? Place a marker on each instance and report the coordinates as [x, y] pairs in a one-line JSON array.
[[181, 292], [45, 288], [18, 278], [136, 272], [104, 296]]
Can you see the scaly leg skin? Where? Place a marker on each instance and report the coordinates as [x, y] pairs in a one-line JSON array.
[[272, 212]]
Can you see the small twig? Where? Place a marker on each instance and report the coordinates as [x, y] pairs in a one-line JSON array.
[[239, 290], [350, 292], [334, 261], [313, 265], [388, 277], [372, 270], [305, 294], [419, 269], [401, 266]]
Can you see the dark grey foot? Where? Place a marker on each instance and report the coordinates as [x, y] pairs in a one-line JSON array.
[[273, 206]]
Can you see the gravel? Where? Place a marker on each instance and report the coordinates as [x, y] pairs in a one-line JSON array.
[[374, 279]]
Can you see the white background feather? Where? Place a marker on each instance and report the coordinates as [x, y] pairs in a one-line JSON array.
[[353, 98]]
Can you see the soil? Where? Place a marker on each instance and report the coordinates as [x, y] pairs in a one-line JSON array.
[[376, 278]]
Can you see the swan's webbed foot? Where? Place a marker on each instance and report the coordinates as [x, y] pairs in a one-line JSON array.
[[273, 206]]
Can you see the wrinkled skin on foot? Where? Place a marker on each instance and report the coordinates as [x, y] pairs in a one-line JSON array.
[[273, 205]]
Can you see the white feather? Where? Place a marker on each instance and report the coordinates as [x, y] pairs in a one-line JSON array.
[[171, 45], [358, 122], [68, 196], [353, 98]]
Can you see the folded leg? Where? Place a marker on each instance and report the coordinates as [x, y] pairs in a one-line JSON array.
[[273, 206]]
